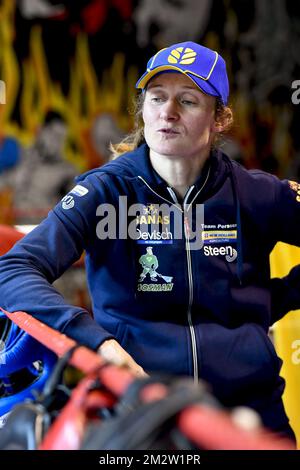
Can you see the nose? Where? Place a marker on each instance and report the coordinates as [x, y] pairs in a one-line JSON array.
[[169, 111]]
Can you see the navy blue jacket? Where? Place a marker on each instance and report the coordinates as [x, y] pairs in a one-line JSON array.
[[202, 312]]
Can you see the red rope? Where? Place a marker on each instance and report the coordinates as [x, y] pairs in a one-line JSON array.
[[206, 427], [214, 430], [114, 378]]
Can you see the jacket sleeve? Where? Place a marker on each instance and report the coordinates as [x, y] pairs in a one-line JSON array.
[[285, 292], [29, 268]]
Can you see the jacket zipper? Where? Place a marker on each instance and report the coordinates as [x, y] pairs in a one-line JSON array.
[[190, 280], [189, 262], [191, 298]]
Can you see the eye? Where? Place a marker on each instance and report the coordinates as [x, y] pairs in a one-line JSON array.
[[188, 102], [156, 99]]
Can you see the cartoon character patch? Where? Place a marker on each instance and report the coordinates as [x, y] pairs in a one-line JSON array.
[[149, 264]]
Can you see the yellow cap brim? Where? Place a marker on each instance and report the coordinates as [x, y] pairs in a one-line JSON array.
[[151, 73]]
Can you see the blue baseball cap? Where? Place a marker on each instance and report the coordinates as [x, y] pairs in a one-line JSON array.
[[204, 66]]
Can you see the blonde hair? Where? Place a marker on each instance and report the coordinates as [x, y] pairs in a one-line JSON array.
[[223, 117]]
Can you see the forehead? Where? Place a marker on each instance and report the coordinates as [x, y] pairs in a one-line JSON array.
[[172, 79]]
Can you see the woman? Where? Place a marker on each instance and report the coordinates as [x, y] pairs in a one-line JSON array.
[[177, 239]]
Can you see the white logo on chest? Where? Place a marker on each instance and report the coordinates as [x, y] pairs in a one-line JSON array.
[[227, 251]]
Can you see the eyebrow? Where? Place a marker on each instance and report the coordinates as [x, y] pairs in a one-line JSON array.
[[184, 87]]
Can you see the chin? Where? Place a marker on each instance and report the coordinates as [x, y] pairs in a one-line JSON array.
[[168, 150]]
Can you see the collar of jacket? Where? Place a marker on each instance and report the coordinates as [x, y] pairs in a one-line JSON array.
[[135, 164]]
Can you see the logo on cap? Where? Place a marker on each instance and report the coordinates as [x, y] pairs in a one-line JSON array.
[[182, 56]]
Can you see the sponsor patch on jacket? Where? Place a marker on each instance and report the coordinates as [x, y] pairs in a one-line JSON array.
[[155, 237], [295, 187], [229, 252], [219, 236], [149, 272], [67, 202], [79, 190], [155, 287]]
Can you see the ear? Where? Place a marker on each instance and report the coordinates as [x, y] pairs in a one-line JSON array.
[[223, 121]]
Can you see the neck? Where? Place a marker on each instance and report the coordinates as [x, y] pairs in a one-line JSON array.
[[179, 173]]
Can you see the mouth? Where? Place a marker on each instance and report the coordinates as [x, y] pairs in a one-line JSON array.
[[168, 131]]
